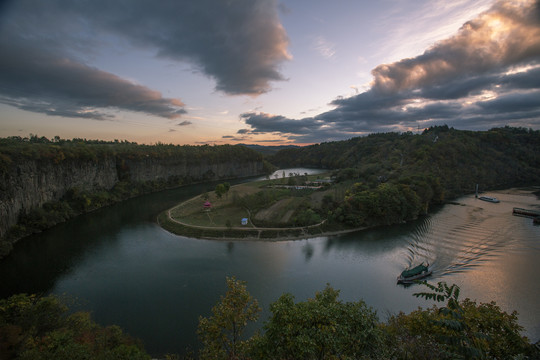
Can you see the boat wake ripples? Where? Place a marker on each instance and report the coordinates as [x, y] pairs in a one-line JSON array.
[[463, 240]]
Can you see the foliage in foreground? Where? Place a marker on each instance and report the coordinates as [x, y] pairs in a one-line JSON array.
[[327, 328], [320, 328], [458, 330], [323, 327], [221, 333], [36, 328]]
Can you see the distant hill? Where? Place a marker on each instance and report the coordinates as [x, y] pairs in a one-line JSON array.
[[457, 159], [268, 150]]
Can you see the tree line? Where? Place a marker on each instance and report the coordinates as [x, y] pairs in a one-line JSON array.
[[325, 327], [390, 177], [57, 150], [459, 159]]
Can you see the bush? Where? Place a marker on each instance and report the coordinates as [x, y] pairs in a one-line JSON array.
[[34, 328]]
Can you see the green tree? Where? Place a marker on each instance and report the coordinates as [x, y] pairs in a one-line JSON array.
[[458, 330], [221, 333], [220, 190], [35, 328], [319, 328], [461, 340], [227, 187], [500, 330]]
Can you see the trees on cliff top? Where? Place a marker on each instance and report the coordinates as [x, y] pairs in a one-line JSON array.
[[58, 150]]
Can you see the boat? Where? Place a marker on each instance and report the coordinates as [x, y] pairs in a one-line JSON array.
[[489, 199], [416, 273]]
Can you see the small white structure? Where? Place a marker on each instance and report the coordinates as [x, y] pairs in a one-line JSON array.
[[244, 221]]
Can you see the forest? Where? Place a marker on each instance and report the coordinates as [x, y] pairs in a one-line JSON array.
[[392, 177], [34, 147], [495, 158]]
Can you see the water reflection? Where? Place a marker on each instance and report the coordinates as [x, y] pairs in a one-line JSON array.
[[308, 250]]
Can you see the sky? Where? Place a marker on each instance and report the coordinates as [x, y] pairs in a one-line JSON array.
[[265, 72]]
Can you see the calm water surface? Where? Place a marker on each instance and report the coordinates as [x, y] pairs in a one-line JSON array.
[[120, 265]]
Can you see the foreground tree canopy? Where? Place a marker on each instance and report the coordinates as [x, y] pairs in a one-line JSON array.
[[324, 327], [35, 328]]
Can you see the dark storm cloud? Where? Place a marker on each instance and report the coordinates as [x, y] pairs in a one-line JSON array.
[[303, 131], [46, 48], [268, 123], [487, 75], [240, 43], [513, 103]]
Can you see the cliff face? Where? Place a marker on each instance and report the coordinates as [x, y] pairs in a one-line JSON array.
[[151, 169], [29, 184]]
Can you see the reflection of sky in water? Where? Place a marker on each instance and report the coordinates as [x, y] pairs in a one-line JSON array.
[[490, 253]]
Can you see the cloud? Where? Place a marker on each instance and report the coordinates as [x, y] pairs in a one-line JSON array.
[[303, 131], [324, 47], [40, 81], [485, 76], [508, 34], [240, 44], [47, 50], [184, 123]]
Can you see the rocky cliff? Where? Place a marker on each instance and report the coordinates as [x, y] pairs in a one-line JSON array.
[[27, 184]]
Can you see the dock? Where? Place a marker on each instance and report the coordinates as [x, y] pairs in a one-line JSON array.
[[526, 212]]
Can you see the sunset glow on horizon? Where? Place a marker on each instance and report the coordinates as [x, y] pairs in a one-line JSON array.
[[265, 72]]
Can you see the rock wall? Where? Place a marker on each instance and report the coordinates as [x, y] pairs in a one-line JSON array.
[[151, 169], [31, 183]]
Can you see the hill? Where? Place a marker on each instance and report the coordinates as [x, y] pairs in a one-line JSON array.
[[392, 178], [457, 159], [268, 150]]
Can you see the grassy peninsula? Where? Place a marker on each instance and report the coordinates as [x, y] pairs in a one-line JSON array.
[[283, 208]]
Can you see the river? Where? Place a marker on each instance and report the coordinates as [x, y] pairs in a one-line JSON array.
[[121, 266]]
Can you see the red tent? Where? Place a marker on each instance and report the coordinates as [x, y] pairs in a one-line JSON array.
[[207, 205]]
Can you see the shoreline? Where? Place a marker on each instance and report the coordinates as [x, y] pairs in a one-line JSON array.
[[248, 231], [293, 233], [287, 234]]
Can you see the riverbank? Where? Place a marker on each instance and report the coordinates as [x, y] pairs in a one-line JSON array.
[[247, 234], [191, 219]]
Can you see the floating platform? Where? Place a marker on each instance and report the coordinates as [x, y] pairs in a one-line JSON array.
[[526, 212]]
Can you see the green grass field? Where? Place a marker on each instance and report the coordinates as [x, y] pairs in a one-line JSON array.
[[271, 220]]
